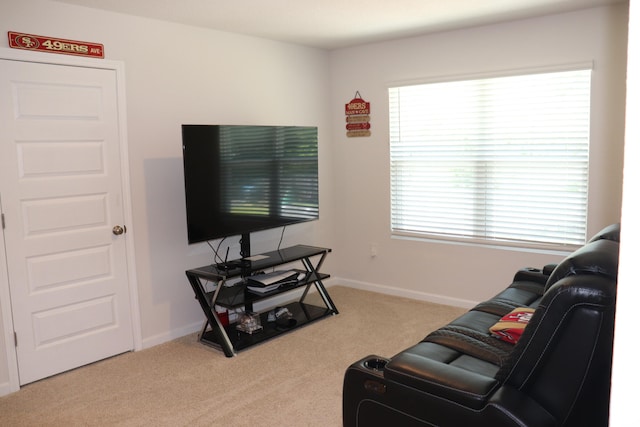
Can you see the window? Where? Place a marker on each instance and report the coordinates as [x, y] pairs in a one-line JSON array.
[[502, 159]]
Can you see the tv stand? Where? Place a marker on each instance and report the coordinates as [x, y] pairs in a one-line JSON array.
[[226, 337]]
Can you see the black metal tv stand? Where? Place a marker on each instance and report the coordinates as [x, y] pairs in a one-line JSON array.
[[226, 337]]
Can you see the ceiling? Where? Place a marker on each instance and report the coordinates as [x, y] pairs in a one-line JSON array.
[[330, 24]]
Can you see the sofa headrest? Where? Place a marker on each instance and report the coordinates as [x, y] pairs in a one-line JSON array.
[[611, 232], [599, 257]]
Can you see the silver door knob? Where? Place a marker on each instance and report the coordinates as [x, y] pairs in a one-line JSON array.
[[117, 230]]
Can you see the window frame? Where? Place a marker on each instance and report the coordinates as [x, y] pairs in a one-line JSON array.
[[482, 241]]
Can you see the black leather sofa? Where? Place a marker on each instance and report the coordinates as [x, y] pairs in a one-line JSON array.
[[557, 374]]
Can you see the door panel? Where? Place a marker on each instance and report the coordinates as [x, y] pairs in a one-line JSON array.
[[61, 190]]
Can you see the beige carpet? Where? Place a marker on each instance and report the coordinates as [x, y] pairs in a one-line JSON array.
[[294, 380]]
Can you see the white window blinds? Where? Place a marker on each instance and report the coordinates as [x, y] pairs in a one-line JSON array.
[[502, 159]]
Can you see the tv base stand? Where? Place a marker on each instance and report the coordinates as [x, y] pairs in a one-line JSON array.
[[227, 337]]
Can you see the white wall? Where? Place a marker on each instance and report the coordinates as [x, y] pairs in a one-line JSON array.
[[453, 273], [625, 368], [177, 74]]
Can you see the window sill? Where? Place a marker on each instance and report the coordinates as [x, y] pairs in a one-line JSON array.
[[530, 247]]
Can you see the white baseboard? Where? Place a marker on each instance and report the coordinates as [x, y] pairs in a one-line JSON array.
[[7, 388], [172, 334], [406, 293]]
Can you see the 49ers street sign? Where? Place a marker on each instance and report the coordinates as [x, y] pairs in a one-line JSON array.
[[55, 45]]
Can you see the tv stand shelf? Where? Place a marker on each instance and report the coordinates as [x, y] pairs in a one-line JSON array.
[[226, 337]]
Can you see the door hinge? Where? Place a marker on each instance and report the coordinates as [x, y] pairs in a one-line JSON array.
[[2, 220], [15, 338]]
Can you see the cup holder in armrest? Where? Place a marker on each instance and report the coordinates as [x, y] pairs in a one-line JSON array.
[[370, 368], [375, 363]]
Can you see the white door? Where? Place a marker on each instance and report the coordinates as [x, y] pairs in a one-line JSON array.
[[62, 196]]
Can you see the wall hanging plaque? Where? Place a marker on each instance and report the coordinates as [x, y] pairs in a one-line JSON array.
[[358, 116]]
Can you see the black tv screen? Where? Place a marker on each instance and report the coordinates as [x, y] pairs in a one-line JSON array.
[[240, 179]]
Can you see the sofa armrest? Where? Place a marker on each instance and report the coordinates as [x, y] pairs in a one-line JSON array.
[[530, 274], [548, 269], [440, 378]]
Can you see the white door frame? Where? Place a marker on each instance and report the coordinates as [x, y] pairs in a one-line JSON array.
[[5, 302]]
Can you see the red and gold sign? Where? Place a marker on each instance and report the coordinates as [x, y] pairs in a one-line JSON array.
[[55, 45], [357, 106], [357, 111], [358, 126]]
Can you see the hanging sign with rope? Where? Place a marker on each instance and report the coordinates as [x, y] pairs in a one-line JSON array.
[[357, 111]]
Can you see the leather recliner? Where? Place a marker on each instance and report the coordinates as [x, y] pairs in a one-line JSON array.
[[557, 374]]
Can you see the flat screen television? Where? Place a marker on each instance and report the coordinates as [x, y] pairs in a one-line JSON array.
[[241, 179]]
